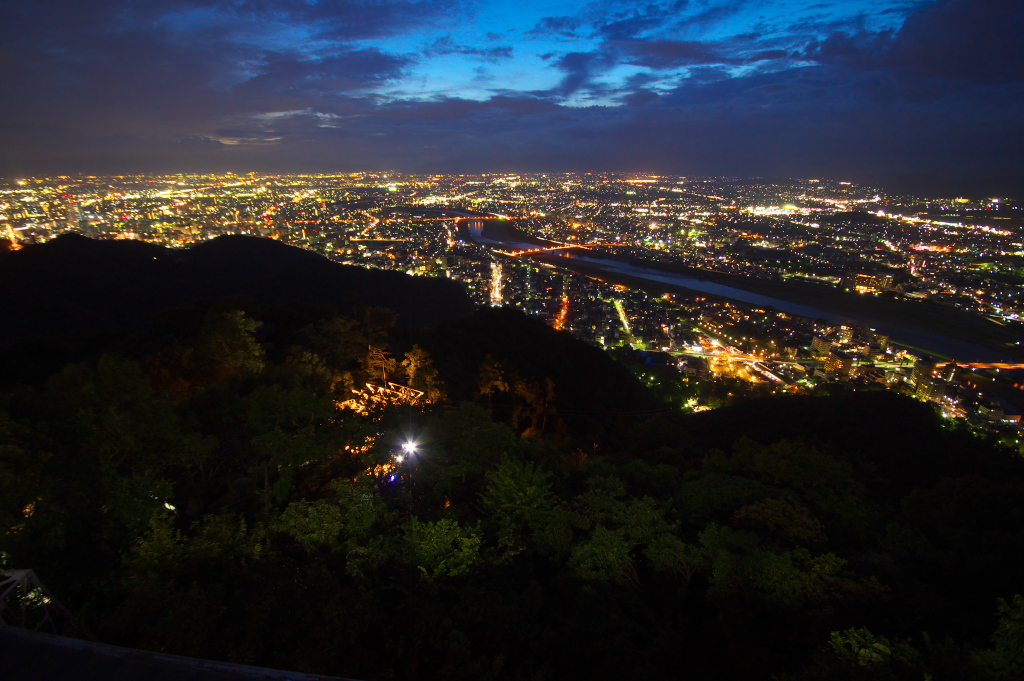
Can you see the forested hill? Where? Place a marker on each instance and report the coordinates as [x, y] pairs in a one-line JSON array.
[[74, 293], [290, 486]]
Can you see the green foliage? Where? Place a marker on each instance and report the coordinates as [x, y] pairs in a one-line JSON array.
[[355, 525], [442, 549], [492, 378], [83, 462], [466, 446], [111, 413], [315, 525], [605, 557], [518, 496], [1006, 659], [165, 551], [668, 386], [339, 341], [416, 361], [226, 345], [782, 519], [789, 490], [669, 554], [22, 474], [877, 656], [859, 654], [293, 537]]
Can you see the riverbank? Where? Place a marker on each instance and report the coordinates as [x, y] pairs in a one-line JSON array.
[[939, 330]]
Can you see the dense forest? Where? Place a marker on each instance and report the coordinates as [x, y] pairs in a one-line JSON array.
[[336, 490]]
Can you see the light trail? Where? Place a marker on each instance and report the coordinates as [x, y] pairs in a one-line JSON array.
[[563, 313], [15, 246], [496, 271], [563, 247], [622, 318], [371, 225]]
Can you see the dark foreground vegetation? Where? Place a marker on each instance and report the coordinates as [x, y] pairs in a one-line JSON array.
[[198, 490]]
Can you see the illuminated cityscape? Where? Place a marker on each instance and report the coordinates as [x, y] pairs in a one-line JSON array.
[[480, 340], [711, 278]]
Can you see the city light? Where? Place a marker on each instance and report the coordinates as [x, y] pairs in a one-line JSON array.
[[595, 254]]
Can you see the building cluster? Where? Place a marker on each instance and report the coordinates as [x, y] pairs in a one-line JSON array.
[[983, 395], [965, 254]]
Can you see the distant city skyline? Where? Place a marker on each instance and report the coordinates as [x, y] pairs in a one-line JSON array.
[[779, 285], [915, 95]]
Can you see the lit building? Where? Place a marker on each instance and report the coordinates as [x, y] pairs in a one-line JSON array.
[[820, 347], [871, 282], [923, 368], [838, 363], [950, 372], [930, 388]]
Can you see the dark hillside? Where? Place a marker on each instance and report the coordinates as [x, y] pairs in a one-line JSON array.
[[900, 438], [591, 392], [72, 296], [262, 480], [947, 504]]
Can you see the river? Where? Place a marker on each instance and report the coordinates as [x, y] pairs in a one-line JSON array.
[[901, 334], [953, 348]]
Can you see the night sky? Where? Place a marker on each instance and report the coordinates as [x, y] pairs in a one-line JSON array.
[[867, 90]]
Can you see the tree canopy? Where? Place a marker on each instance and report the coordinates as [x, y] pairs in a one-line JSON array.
[[491, 499]]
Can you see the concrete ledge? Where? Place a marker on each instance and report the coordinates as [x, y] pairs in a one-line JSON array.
[[36, 656]]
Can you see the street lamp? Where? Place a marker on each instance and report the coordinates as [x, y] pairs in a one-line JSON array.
[[409, 450]]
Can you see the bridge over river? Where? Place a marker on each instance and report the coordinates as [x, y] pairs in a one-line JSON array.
[[927, 333]]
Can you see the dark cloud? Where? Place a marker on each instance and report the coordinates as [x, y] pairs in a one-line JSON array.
[[345, 20], [341, 19], [285, 77], [640, 80], [563, 27], [190, 85], [862, 113], [972, 41], [663, 54], [611, 20], [446, 45], [622, 25], [174, 70], [977, 41], [639, 97], [579, 69], [200, 142], [503, 106], [707, 74], [629, 27], [713, 14], [620, 31], [858, 51]]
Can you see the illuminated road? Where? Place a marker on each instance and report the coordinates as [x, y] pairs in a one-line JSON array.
[[984, 365]]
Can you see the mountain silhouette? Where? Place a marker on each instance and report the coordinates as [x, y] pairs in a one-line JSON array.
[[73, 293]]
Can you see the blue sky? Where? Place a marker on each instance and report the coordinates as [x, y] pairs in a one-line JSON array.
[[862, 89], [502, 46]]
